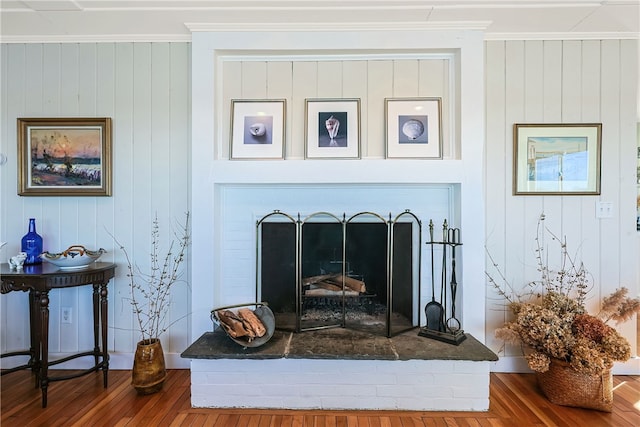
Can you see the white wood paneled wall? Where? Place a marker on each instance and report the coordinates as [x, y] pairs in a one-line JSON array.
[[562, 82], [145, 89]]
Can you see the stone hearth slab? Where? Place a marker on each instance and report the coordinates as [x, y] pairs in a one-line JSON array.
[[339, 343]]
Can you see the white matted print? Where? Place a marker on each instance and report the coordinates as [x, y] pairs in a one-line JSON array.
[[556, 158], [413, 128], [332, 129], [257, 129]]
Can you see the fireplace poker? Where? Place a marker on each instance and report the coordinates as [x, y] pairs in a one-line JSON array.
[[453, 324], [443, 285]]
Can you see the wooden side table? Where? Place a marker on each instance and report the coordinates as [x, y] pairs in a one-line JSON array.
[[38, 280]]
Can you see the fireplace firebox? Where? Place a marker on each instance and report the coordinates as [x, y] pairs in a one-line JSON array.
[[322, 271]]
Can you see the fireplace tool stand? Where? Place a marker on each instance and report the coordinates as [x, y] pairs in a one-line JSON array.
[[442, 324]]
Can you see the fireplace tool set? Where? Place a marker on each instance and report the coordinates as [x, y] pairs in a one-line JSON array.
[[442, 324]]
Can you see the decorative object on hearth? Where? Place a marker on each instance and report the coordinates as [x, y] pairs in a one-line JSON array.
[[442, 323], [249, 328], [74, 257], [150, 298], [571, 351]]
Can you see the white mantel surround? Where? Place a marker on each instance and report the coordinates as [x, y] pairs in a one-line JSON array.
[[382, 185]]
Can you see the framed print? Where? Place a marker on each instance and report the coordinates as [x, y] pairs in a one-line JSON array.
[[64, 156], [413, 128], [257, 128], [332, 129], [559, 159]]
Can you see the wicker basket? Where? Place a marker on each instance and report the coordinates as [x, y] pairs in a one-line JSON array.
[[562, 385]]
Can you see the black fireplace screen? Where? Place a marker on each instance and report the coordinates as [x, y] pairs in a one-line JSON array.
[[361, 272]]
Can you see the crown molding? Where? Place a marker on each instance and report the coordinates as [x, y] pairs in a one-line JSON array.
[[562, 36], [97, 38], [315, 27], [338, 26]]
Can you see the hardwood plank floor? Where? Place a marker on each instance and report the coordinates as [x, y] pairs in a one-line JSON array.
[[514, 401]]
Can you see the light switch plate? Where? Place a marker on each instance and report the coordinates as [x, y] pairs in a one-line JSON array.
[[604, 209]]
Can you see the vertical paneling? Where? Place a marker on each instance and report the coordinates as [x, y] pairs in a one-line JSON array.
[[516, 218], [629, 88], [329, 83], [355, 85], [123, 189], [15, 305], [304, 86], [179, 161], [561, 82], [145, 89], [610, 250], [434, 82], [232, 73], [497, 183], [380, 86]]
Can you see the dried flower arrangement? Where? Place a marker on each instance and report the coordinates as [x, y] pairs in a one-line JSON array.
[[550, 319], [150, 292]]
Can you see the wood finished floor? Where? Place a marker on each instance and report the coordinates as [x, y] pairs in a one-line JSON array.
[[514, 401]]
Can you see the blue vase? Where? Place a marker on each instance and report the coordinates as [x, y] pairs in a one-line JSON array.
[[32, 244]]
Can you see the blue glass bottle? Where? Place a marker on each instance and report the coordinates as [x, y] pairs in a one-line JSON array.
[[32, 244]]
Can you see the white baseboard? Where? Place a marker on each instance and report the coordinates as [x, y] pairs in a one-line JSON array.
[[117, 361], [519, 364]]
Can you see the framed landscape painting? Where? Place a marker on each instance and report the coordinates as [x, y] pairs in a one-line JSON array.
[[64, 156], [562, 159]]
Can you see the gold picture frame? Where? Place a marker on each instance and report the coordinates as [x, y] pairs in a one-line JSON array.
[[556, 159], [64, 156]]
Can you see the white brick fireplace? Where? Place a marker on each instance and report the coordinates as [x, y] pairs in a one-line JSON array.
[[228, 196]]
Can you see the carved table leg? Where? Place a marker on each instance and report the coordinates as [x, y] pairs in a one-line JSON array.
[[44, 345], [104, 312], [96, 323], [34, 331]]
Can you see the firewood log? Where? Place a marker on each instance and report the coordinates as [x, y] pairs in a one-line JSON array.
[[319, 292], [232, 324], [327, 285], [349, 282], [311, 280], [252, 322]]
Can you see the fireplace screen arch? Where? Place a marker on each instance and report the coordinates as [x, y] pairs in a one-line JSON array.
[[324, 270]]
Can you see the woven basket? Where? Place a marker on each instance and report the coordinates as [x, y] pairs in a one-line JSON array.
[[562, 385]]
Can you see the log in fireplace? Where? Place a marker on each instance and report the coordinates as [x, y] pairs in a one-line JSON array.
[[323, 270]]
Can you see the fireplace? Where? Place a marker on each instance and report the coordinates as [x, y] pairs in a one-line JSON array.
[[229, 196], [323, 271]]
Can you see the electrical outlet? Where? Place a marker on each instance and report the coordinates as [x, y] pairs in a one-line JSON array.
[[66, 315]]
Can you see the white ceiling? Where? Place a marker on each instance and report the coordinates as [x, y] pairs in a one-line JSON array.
[[173, 20]]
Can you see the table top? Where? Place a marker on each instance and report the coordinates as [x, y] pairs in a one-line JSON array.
[[46, 276], [48, 269]]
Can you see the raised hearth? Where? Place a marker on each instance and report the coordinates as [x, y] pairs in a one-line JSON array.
[[340, 369]]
